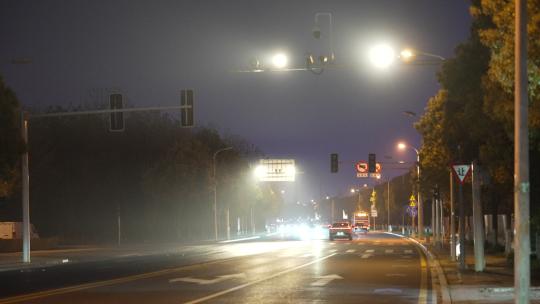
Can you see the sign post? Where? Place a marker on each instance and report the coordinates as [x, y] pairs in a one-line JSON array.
[[461, 172], [413, 211]]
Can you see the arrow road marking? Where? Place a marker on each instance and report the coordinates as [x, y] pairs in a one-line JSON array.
[[212, 281], [323, 280]]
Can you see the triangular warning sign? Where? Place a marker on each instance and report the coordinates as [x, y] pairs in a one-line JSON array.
[[461, 171]]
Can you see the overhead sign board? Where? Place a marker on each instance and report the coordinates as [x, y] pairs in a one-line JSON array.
[[461, 171], [276, 170], [362, 170]]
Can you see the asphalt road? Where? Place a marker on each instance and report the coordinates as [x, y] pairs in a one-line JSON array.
[[373, 268]]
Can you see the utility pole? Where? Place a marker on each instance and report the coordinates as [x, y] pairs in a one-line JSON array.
[[522, 246], [478, 223]]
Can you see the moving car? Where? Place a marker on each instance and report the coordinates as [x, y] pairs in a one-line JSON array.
[[340, 230], [360, 228]]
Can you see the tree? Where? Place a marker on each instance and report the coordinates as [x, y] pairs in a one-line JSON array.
[[11, 145]]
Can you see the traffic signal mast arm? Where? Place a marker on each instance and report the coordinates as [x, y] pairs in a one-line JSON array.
[[59, 114]]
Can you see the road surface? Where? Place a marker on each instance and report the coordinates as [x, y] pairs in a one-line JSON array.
[[373, 268]]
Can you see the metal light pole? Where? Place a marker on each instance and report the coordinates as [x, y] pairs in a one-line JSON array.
[[522, 246], [25, 190], [215, 189], [419, 197], [388, 206]]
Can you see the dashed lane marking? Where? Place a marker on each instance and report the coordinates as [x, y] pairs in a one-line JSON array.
[[351, 250], [369, 251], [389, 251]]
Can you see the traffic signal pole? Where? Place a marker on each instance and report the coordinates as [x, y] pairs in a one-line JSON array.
[[25, 171]]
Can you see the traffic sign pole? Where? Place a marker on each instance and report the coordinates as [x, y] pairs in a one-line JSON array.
[[462, 265]]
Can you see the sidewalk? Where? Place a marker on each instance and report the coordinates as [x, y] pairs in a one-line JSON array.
[[494, 285]]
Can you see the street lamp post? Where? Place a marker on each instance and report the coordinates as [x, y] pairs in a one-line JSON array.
[[215, 189], [402, 146]]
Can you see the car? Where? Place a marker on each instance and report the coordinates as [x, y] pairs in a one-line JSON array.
[[340, 230], [360, 228]]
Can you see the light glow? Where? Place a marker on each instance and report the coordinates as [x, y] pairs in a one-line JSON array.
[[406, 54], [279, 61], [382, 56]]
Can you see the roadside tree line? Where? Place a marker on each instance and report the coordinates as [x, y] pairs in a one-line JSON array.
[[471, 118]]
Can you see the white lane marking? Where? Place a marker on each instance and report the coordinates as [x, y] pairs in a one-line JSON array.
[[408, 251], [239, 240], [350, 250], [369, 251], [307, 255], [223, 292], [389, 251], [333, 250], [387, 291], [365, 256], [212, 281], [323, 280], [332, 244], [396, 275]]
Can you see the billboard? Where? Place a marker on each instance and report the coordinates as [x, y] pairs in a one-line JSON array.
[[276, 170]]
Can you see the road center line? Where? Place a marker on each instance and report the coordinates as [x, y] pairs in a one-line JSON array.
[[217, 294]]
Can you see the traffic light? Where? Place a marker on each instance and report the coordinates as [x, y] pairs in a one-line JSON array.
[[334, 164], [372, 163], [116, 118], [186, 108]]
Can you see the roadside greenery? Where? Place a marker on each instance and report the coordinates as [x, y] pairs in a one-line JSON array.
[[157, 176], [471, 118]]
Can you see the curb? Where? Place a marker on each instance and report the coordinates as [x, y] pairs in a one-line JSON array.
[[435, 267]]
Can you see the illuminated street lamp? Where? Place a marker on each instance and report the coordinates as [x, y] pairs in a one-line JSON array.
[[402, 146], [408, 55], [382, 55], [279, 61]]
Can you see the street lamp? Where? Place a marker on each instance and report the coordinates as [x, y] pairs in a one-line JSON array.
[[215, 188], [403, 146], [279, 61], [408, 55], [382, 55]]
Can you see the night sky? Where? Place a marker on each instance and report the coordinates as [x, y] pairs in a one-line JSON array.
[[150, 50]]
